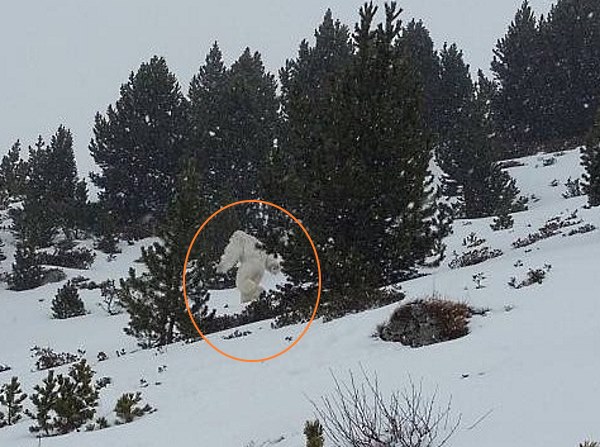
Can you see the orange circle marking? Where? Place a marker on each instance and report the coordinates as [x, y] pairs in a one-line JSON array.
[[187, 304]]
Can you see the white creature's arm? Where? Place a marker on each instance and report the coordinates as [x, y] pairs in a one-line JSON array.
[[231, 255]]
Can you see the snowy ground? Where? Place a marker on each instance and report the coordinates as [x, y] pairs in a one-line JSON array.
[[527, 374]]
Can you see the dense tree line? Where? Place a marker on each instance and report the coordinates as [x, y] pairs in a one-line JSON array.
[[548, 71], [347, 145]]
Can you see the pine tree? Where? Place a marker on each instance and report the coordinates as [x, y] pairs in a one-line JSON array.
[[79, 214], [77, 398], [11, 398], [417, 45], [372, 150], [44, 399], [138, 146], [487, 189], [591, 162], [13, 173], [26, 273], [67, 303], [58, 173], [516, 64], [154, 299], [467, 149], [453, 108], [36, 222], [206, 94], [571, 37], [235, 120], [127, 408]]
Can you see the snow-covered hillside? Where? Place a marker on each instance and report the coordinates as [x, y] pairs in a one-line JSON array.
[[527, 375]]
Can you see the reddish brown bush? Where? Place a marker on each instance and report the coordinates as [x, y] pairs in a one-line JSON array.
[[424, 322]]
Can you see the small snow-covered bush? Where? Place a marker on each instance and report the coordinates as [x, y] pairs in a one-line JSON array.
[[48, 358], [573, 188], [11, 402], [587, 228], [472, 240], [473, 257], [75, 258], [534, 276], [425, 322], [551, 228]]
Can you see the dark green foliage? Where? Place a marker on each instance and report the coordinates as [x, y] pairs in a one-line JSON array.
[[77, 398], [138, 145], [154, 299], [27, 273], [418, 47], [102, 423], [13, 175], [50, 202], [67, 303], [66, 254], [108, 241], [571, 36], [502, 222], [44, 399], [235, 123], [313, 431], [64, 403], [516, 64], [466, 151], [549, 73], [127, 408], [534, 276], [591, 162], [353, 161], [453, 115], [35, 223], [11, 399], [424, 322]]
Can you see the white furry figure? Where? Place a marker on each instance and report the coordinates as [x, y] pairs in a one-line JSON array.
[[248, 252]]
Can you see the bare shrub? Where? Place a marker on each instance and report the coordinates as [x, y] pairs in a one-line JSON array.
[[359, 415]]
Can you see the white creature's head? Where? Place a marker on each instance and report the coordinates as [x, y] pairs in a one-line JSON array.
[[273, 264]]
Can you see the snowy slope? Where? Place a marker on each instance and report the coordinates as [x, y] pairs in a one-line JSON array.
[[527, 374]]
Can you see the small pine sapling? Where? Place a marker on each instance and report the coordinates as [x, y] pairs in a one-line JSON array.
[[313, 431], [102, 423], [127, 408], [478, 280], [44, 399], [77, 400], [11, 398], [573, 188]]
